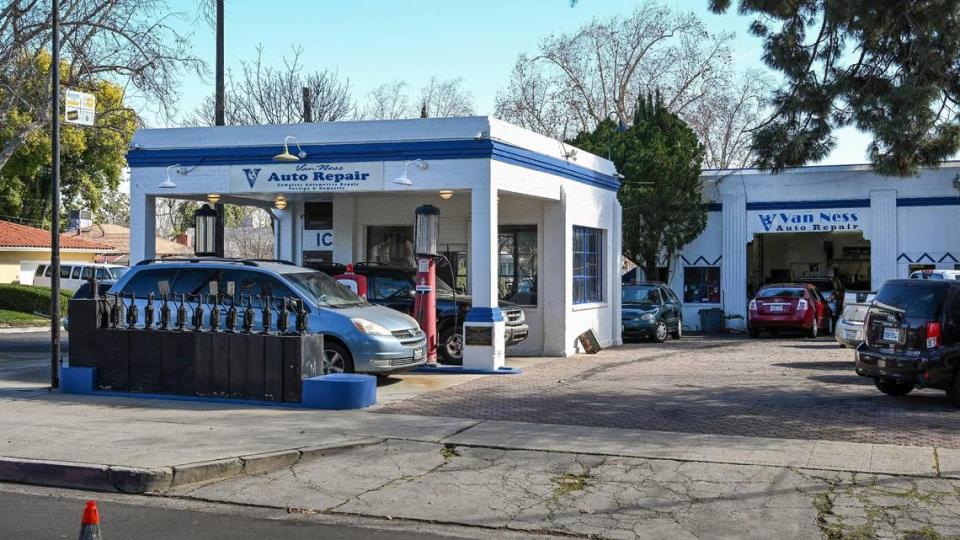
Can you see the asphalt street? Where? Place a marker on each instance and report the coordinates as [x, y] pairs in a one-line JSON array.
[[27, 515], [25, 360]]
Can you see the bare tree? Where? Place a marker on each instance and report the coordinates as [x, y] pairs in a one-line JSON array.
[[441, 98], [576, 80], [132, 42], [262, 94]]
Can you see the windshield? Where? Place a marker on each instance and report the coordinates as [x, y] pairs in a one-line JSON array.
[[781, 292], [640, 294], [855, 312], [323, 289], [118, 271], [920, 302]]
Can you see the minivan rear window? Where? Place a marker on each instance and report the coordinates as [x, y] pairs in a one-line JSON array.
[[921, 302]]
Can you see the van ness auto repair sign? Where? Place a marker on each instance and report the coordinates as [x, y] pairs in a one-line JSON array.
[[792, 221], [306, 177]]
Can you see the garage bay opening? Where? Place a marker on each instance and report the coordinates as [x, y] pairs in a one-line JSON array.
[[787, 257]]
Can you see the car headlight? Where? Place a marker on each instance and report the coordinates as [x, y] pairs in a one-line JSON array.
[[646, 317], [370, 327]]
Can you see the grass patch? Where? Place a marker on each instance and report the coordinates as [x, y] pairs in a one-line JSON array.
[[20, 319], [565, 484], [448, 453]]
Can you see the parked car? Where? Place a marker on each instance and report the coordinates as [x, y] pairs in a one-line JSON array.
[[912, 333], [650, 309], [358, 336], [849, 328], [935, 274], [74, 275], [789, 306], [831, 289], [393, 286]]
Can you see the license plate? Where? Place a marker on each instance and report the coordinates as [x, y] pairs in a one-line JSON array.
[[776, 308], [881, 363], [891, 334]]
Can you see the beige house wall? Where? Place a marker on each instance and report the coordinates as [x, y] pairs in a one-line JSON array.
[[10, 261]]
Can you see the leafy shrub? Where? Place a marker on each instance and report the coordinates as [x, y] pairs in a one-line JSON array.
[[30, 299]]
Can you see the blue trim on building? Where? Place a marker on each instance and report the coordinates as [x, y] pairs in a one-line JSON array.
[[928, 201], [714, 207], [808, 205], [484, 315], [384, 151]]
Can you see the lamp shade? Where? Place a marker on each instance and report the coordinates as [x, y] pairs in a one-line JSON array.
[[205, 231], [427, 230]]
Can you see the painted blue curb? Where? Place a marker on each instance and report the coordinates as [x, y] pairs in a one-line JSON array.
[[457, 370]]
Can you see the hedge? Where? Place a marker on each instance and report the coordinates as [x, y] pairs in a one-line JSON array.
[[30, 299]]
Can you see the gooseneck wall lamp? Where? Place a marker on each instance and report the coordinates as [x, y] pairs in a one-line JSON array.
[[286, 155], [403, 179], [168, 183]]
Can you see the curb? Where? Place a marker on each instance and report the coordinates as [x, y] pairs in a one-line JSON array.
[[135, 480], [23, 329]]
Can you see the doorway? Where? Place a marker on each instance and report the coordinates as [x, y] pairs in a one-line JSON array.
[[784, 257]]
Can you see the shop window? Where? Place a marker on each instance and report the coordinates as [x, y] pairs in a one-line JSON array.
[[317, 216], [701, 284], [517, 264], [587, 265], [392, 245]]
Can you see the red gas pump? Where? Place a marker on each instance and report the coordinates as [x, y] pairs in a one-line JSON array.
[[426, 233]]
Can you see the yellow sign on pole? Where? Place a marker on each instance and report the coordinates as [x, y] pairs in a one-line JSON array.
[[79, 108]]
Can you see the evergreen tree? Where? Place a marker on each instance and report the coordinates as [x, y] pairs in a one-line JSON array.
[[890, 68], [659, 157]]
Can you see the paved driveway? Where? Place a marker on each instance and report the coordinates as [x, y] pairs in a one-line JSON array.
[[784, 388]]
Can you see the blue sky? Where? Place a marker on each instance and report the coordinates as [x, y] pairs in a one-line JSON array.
[[376, 41]]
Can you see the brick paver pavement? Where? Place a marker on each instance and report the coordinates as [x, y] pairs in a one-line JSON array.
[[783, 388]]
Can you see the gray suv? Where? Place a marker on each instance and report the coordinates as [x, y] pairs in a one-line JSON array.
[[358, 337]]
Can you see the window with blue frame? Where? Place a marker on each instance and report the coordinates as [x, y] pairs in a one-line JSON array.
[[587, 265]]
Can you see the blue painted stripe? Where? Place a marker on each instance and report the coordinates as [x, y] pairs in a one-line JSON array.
[[484, 315], [809, 205], [385, 151], [714, 207], [928, 201]]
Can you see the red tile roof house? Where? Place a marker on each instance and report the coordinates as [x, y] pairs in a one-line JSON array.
[[23, 248]]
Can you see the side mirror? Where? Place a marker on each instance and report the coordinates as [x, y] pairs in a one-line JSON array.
[[412, 293]]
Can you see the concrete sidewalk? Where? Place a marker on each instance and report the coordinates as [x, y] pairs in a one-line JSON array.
[[140, 445]]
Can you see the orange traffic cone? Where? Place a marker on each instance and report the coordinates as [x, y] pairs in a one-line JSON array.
[[90, 523]]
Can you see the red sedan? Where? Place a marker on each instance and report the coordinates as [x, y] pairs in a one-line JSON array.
[[789, 306]]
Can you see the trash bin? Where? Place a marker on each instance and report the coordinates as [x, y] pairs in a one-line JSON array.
[[711, 320]]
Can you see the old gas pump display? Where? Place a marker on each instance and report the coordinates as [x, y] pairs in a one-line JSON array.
[[426, 236]]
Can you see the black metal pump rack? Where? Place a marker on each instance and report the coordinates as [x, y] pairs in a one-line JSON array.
[[134, 352]]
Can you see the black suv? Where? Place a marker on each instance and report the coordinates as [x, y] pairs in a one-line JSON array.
[[912, 333], [393, 286]]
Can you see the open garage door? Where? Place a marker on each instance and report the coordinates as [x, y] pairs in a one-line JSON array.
[[786, 257]]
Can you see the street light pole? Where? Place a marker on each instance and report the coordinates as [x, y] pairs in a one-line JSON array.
[[220, 121], [55, 199]]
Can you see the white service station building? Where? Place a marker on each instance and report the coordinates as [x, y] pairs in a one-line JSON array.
[[524, 218], [844, 221]]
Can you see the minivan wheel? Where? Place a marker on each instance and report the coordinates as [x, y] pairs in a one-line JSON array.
[[660, 334], [336, 359], [451, 347], [893, 388], [678, 333]]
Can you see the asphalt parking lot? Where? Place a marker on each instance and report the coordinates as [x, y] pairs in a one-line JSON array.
[[772, 387]]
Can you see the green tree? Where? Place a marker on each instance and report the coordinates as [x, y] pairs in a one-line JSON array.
[[889, 68], [92, 158], [659, 157]]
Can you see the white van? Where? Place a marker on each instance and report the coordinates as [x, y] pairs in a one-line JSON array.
[[935, 274], [73, 275]]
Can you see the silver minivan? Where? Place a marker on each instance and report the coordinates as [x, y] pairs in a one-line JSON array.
[[75, 274], [849, 329]]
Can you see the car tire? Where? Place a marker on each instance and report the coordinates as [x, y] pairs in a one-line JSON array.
[[754, 332], [660, 333], [678, 333], [337, 358], [449, 343], [814, 330], [892, 388]]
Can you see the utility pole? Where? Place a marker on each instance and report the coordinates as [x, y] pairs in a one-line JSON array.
[[307, 105], [55, 198], [219, 120]]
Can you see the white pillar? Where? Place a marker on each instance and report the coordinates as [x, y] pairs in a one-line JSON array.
[[883, 237], [143, 227], [616, 265], [483, 326], [733, 268], [556, 284], [285, 223], [344, 219]]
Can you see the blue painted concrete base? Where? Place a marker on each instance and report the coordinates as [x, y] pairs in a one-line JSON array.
[[78, 380], [457, 370], [338, 391]]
